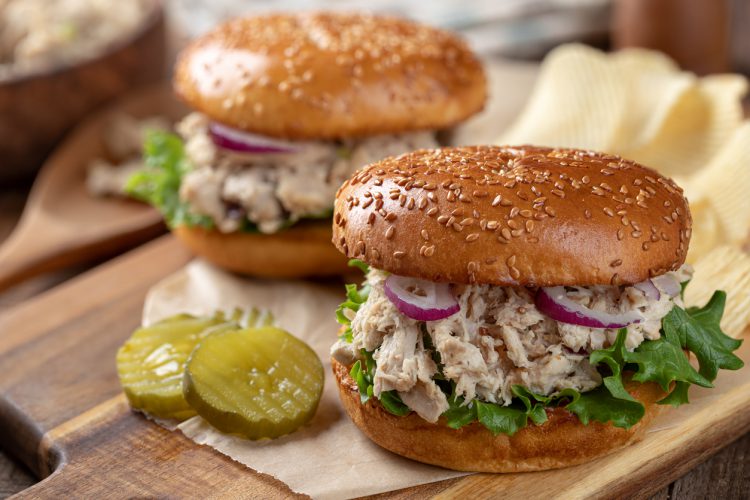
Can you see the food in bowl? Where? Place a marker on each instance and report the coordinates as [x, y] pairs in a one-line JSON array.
[[522, 306], [287, 107], [36, 34]]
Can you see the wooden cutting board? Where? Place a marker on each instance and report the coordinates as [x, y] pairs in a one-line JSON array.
[[62, 412]]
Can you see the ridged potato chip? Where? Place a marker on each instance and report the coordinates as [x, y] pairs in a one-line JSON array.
[[725, 185], [580, 100], [634, 103], [725, 268], [694, 126]]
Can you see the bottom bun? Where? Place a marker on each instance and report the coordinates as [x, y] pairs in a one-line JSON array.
[[300, 251], [560, 442]]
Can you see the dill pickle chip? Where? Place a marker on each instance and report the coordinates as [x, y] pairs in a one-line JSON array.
[[152, 361], [256, 382]]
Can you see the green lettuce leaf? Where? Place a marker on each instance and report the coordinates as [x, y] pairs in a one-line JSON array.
[[613, 357], [355, 297], [499, 419], [602, 406], [458, 414], [699, 331], [159, 183], [393, 404]]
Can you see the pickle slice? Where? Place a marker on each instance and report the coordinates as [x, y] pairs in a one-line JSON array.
[[256, 382], [152, 361]]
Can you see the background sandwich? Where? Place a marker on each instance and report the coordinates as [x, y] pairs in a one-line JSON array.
[[522, 308], [287, 107]]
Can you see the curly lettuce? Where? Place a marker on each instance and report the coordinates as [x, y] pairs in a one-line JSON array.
[[662, 361]]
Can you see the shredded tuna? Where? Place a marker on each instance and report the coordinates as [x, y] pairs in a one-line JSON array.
[[498, 339], [271, 190]]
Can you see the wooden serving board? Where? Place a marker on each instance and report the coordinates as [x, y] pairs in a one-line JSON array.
[[62, 412]]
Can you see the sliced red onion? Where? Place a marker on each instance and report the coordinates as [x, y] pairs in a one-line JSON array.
[[554, 303], [433, 303], [648, 289], [245, 142], [667, 284]]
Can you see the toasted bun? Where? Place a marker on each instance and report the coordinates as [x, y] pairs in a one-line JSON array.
[[300, 251], [560, 442], [513, 216], [330, 75]]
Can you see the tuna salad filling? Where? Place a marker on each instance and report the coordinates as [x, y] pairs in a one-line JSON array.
[[501, 353], [273, 190]]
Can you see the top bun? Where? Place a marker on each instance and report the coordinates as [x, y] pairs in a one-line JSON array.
[[330, 75], [513, 216]]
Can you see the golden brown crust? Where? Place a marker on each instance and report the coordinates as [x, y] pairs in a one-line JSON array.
[[513, 216], [562, 441], [330, 75], [300, 251]]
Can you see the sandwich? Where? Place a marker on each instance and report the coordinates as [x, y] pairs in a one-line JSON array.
[[287, 107], [522, 308]]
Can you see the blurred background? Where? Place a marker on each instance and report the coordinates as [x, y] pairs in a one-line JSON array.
[[62, 60]]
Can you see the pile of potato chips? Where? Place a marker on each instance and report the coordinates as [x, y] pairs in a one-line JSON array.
[[638, 104]]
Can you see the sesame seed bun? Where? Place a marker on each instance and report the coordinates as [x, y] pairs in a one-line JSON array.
[[513, 216], [330, 75], [300, 251], [562, 441]]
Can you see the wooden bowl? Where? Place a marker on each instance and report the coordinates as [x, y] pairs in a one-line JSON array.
[[39, 108]]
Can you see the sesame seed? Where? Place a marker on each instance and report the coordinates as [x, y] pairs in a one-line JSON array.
[[472, 237], [432, 212], [506, 233], [389, 233], [496, 201], [615, 263], [609, 211], [398, 254], [515, 273], [429, 251], [443, 219], [645, 245], [425, 235], [371, 218]]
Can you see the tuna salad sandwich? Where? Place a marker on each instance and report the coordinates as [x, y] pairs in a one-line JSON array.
[[522, 308], [287, 107]]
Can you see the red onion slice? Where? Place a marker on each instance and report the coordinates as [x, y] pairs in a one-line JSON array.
[[648, 289], [554, 302], [245, 142], [421, 299], [667, 284]]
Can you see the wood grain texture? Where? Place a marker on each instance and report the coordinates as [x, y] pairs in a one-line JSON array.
[[65, 417], [62, 224]]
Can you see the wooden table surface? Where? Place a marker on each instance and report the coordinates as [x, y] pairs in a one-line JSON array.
[[724, 475]]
